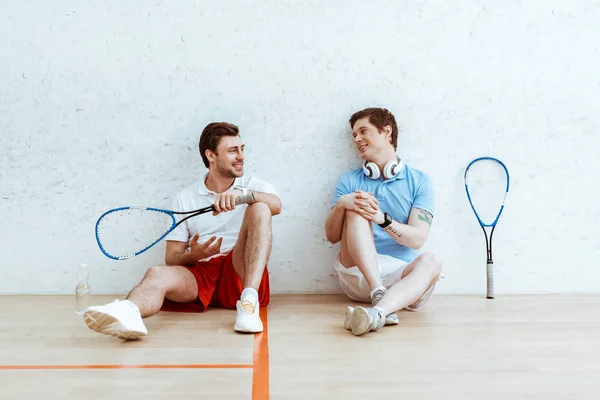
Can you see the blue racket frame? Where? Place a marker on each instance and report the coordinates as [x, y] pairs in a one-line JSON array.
[[174, 225], [488, 241]]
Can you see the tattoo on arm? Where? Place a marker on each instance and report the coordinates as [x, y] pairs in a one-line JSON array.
[[392, 230], [425, 216]]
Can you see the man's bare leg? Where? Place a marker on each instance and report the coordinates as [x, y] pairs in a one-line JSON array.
[[250, 256], [172, 282], [358, 248], [253, 247], [123, 319], [417, 278]]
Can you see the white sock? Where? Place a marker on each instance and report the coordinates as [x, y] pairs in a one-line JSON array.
[[249, 294], [382, 288], [378, 288]]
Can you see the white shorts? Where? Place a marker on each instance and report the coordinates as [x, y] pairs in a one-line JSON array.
[[356, 287]]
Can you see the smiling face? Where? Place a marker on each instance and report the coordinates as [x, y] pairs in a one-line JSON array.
[[369, 141], [228, 157]]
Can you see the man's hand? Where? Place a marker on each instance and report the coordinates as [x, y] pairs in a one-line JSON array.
[[348, 201], [367, 206], [363, 203], [226, 201], [203, 250]]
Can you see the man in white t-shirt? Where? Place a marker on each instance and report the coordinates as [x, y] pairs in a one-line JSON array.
[[215, 260]]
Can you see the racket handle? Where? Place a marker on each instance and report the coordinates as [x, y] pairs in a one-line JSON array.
[[490, 280], [245, 199]]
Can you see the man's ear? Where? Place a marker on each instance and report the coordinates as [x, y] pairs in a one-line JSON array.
[[210, 155], [388, 132]]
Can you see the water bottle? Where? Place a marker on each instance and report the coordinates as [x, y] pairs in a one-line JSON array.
[[83, 291]]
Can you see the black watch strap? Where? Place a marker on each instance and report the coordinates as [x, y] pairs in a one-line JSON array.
[[387, 220]]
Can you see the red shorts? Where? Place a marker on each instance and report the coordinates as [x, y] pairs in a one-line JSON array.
[[218, 286]]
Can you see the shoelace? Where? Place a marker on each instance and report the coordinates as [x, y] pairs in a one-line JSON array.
[[380, 320], [248, 307]]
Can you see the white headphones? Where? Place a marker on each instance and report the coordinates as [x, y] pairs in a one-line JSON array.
[[390, 170]]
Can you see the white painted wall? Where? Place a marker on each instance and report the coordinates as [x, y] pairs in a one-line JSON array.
[[101, 105]]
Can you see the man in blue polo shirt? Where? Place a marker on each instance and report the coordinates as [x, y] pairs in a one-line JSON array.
[[382, 213]]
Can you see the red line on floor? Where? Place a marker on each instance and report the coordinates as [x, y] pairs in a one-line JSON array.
[[117, 366], [260, 377]]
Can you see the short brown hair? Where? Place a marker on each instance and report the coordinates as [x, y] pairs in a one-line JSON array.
[[380, 117], [211, 137]]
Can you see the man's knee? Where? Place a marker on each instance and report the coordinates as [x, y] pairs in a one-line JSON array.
[[157, 274], [433, 264], [351, 214], [259, 210], [354, 216], [169, 279]]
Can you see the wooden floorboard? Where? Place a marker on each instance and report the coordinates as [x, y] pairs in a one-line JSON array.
[[457, 347]]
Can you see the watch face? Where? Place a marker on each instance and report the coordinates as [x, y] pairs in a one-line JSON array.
[[386, 220]]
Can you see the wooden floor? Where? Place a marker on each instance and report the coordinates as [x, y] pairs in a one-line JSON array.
[[458, 347]]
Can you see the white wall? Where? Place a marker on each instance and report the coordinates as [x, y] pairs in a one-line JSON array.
[[102, 104]]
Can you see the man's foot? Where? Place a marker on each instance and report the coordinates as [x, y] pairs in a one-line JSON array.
[[376, 296], [391, 319], [120, 319], [364, 320], [248, 317]]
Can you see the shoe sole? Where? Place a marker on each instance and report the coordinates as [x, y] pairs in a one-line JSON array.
[[361, 321], [348, 318], [391, 319], [99, 322], [248, 330]]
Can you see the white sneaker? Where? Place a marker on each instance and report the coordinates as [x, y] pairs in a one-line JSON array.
[[248, 317], [391, 319], [120, 319], [348, 317], [365, 320]]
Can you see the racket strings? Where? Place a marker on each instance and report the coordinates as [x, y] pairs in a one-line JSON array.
[[126, 232], [486, 182]]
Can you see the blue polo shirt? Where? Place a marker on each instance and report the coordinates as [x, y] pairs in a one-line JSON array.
[[409, 189]]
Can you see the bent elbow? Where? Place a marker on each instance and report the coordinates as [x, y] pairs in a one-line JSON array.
[[417, 244], [276, 209], [332, 238]]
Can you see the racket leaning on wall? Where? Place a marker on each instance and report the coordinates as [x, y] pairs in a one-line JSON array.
[[486, 183], [126, 232]]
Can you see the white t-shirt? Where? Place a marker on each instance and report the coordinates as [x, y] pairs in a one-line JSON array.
[[226, 225]]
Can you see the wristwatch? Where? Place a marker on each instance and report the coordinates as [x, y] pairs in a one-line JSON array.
[[386, 220], [243, 189]]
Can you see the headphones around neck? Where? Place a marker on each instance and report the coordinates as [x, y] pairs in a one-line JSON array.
[[390, 170]]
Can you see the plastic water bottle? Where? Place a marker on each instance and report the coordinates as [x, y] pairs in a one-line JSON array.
[[83, 290]]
